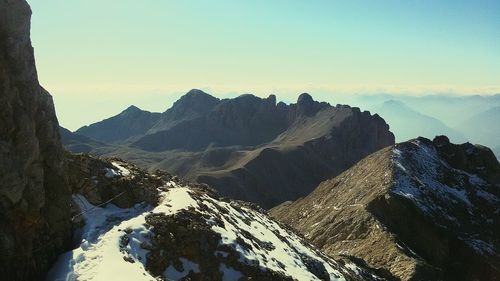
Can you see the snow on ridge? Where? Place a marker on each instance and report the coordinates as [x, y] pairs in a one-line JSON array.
[[279, 250], [102, 255], [119, 171], [441, 191], [418, 177]]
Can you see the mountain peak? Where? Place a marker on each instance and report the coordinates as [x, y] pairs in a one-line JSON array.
[[305, 98], [197, 95], [132, 108], [196, 92]]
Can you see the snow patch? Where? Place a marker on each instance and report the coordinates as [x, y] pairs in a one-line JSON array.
[[172, 274], [101, 256]]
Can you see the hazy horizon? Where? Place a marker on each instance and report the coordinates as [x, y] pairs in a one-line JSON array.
[[96, 58]]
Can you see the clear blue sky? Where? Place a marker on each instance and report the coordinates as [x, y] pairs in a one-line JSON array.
[[96, 57]]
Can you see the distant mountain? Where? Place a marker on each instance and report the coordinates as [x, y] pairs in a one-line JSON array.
[[419, 210], [406, 123], [193, 104], [450, 109], [484, 127], [252, 148], [77, 143], [129, 123]]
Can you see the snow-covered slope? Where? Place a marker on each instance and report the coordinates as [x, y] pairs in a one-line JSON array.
[[191, 233]]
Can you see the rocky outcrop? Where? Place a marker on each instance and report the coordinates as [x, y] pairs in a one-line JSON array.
[[34, 195], [420, 210], [113, 180]]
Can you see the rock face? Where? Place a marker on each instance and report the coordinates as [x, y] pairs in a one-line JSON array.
[[34, 196], [169, 230], [255, 149], [420, 210]]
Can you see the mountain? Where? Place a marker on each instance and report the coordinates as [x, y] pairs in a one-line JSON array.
[[129, 123], [419, 210], [194, 103], [483, 127], [35, 223], [78, 143], [407, 123], [448, 108], [253, 148], [163, 229]]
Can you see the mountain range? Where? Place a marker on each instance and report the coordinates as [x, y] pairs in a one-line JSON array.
[[232, 144], [399, 115]]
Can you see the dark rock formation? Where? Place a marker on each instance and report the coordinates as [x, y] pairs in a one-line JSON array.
[[34, 195], [421, 210]]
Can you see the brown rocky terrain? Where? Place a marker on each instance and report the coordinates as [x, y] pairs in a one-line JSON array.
[[34, 195], [420, 210]]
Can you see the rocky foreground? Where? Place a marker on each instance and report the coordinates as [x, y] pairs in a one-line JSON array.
[[165, 229], [420, 210]]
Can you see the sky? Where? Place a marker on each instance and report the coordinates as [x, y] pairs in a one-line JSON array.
[[97, 57]]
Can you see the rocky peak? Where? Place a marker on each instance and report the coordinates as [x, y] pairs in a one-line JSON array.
[[475, 159], [196, 99], [271, 99], [194, 102], [305, 99], [408, 211], [307, 106], [132, 108]]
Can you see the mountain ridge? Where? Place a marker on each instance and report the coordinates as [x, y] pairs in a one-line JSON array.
[[417, 210], [235, 142]]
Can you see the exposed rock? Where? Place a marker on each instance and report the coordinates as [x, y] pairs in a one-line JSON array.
[[34, 194], [113, 180], [421, 210]]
